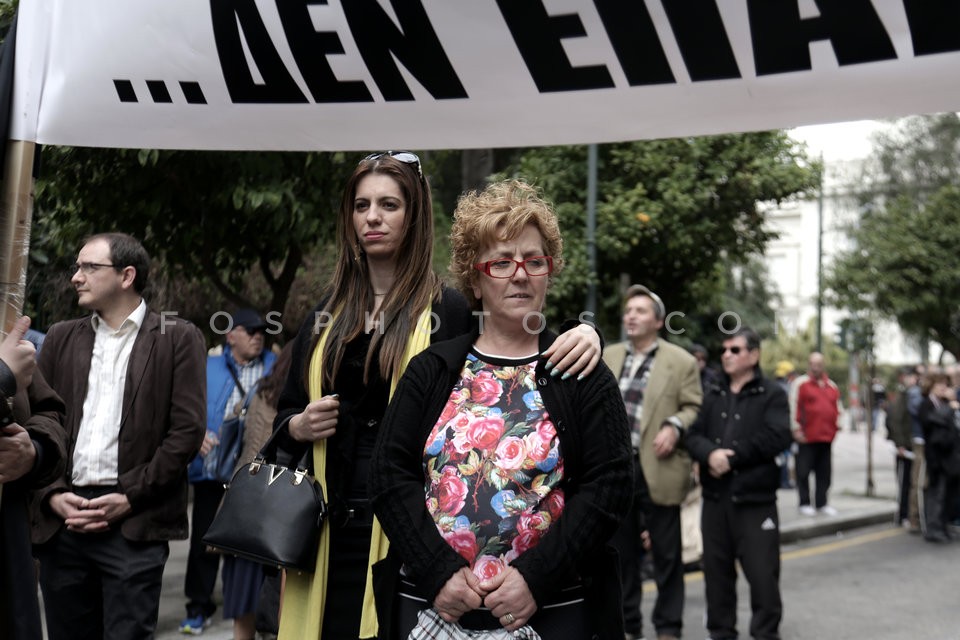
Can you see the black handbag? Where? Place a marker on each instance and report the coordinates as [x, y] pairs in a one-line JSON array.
[[271, 514]]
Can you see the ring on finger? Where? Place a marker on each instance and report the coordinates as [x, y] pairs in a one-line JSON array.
[[509, 618]]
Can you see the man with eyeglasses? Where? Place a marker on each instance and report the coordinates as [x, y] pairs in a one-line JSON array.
[[660, 384], [742, 428], [231, 376], [132, 382]]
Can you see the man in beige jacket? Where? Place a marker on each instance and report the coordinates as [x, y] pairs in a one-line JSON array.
[[660, 383]]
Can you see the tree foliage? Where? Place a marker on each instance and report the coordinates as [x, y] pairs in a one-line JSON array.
[[674, 214], [206, 216], [903, 263]]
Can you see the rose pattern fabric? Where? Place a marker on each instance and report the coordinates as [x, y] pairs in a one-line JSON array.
[[493, 465]]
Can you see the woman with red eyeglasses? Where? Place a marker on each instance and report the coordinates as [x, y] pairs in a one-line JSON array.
[[383, 305], [498, 484]]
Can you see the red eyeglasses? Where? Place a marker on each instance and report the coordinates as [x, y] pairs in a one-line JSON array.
[[507, 267]]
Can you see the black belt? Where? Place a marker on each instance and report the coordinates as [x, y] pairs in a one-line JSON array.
[[95, 491]]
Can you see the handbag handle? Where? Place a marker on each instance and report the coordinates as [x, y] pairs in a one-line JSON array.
[[268, 453]]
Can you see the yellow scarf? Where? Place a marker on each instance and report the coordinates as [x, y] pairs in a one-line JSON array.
[[304, 596]]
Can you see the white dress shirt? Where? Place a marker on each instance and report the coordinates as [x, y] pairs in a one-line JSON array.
[[96, 456]]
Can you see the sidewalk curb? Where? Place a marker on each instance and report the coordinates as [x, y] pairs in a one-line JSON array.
[[817, 526]]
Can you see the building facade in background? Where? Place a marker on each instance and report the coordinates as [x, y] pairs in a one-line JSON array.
[[792, 258]]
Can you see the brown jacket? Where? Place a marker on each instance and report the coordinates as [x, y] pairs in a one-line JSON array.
[[673, 390], [162, 424]]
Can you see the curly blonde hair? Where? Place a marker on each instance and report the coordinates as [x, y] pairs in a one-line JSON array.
[[499, 212]]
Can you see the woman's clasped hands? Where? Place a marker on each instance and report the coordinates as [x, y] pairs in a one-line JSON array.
[[506, 595]]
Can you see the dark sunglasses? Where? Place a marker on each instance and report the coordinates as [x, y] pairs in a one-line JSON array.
[[252, 331], [405, 157], [734, 350]]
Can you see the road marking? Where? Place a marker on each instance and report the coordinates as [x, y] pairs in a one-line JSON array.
[[842, 544], [697, 576]]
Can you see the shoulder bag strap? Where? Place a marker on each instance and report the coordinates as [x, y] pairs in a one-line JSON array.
[[236, 379]]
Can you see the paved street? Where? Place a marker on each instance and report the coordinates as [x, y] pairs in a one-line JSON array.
[[847, 495]]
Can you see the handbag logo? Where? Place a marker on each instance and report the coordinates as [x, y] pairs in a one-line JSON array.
[[275, 472]]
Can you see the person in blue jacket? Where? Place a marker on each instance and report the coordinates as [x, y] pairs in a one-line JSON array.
[[230, 376]]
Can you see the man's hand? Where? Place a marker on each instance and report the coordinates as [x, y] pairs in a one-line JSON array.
[[75, 512], [666, 440], [19, 354], [509, 598], [89, 516], [17, 454], [645, 540], [210, 440], [719, 462], [460, 594], [798, 436], [114, 506]]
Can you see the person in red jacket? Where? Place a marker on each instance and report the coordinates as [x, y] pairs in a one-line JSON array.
[[814, 412]]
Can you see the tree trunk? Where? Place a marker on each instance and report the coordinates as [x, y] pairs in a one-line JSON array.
[[476, 165]]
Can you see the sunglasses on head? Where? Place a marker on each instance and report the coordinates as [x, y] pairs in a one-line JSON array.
[[405, 157]]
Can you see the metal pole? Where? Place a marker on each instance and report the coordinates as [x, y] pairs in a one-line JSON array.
[[592, 228], [820, 260], [872, 369]]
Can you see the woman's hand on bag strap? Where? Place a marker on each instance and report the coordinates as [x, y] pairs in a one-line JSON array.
[[317, 421]]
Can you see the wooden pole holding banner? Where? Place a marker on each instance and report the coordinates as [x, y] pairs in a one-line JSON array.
[[16, 214]]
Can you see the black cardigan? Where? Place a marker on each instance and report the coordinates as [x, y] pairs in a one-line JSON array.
[[594, 435]]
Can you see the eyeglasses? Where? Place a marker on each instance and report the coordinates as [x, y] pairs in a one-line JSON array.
[[89, 267], [405, 157], [507, 267], [734, 350], [252, 331]]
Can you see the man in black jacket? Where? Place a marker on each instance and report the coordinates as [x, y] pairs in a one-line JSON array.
[[741, 430]]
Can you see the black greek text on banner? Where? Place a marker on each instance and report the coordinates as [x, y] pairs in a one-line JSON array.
[[362, 74]]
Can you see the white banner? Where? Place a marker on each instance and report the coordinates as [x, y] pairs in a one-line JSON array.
[[375, 74]]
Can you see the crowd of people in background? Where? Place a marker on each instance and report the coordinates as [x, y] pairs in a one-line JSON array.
[[516, 474], [923, 424]]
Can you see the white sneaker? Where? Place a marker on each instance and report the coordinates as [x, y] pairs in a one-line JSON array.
[[827, 510], [807, 510]]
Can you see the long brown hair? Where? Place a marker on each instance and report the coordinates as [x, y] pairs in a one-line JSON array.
[[350, 292], [271, 385]]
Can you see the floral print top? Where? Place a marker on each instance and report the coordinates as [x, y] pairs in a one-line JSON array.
[[493, 464]]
